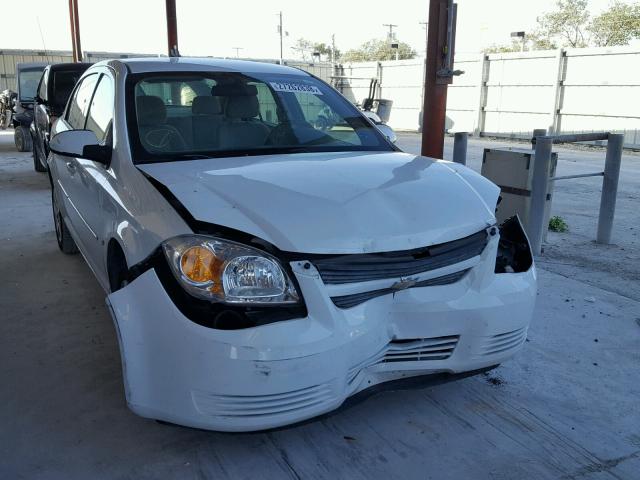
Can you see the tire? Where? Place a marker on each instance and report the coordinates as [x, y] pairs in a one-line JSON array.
[[37, 165], [65, 242], [22, 139]]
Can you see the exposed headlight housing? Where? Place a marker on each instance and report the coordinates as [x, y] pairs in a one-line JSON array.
[[223, 271]]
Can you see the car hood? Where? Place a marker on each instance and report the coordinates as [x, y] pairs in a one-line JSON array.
[[345, 202]]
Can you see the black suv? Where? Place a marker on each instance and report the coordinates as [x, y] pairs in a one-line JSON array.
[[54, 89]]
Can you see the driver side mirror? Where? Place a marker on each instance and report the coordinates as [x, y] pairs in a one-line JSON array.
[[80, 144]]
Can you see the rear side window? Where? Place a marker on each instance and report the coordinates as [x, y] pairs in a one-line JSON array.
[[101, 110], [76, 115], [62, 84]]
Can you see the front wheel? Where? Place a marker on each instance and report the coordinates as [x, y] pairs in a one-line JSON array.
[[22, 139], [63, 236]]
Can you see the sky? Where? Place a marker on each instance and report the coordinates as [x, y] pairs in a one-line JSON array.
[[214, 28]]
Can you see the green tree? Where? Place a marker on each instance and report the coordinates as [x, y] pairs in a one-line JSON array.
[[617, 26], [514, 46], [570, 25], [308, 48], [567, 26], [377, 50]]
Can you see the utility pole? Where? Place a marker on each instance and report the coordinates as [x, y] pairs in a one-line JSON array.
[[75, 31], [333, 48], [426, 33], [281, 32], [391, 39], [172, 29], [390, 35], [438, 74], [523, 38], [237, 49]]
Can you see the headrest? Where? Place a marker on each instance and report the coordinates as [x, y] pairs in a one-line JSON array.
[[234, 90], [206, 105], [243, 107], [150, 110]]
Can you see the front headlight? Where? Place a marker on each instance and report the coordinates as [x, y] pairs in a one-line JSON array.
[[224, 271]]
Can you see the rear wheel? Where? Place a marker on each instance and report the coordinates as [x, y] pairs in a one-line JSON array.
[[63, 236], [37, 164], [22, 139]]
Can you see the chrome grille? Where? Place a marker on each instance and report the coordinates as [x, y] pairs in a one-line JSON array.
[[375, 266], [348, 301]]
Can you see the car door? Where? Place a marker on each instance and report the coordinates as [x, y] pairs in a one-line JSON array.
[[89, 189], [41, 114], [67, 175]]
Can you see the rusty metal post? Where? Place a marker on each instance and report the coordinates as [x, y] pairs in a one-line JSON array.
[[172, 29], [76, 47], [434, 108]]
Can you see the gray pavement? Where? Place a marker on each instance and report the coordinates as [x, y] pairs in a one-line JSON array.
[[565, 408]]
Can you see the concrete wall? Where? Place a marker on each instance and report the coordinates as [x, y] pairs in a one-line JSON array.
[[574, 90]]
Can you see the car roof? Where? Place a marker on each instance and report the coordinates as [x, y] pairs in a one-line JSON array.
[[195, 64], [79, 67], [30, 65]]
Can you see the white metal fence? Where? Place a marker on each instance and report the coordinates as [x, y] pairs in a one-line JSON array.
[[564, 91]]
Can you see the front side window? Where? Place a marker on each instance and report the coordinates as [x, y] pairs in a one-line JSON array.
[[77, 111], [192, 115], [101, 110]]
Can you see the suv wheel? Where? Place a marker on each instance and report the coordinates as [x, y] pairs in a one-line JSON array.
[[63, 236], [22, 139]]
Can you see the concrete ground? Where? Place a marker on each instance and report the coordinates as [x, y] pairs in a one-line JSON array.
[[565, 408]]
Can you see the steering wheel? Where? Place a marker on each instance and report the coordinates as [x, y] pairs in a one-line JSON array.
[[164, 138], [282, 134]]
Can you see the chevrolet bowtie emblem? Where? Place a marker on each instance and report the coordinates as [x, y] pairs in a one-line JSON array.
[[404, 283]]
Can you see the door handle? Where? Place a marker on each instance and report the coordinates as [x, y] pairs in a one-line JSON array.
[[71, 167]]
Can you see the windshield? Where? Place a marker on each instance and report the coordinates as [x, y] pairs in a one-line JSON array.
[[187, 116], [28, 81]]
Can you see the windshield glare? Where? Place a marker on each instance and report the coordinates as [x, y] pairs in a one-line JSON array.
[[226, 114], [28, 83]]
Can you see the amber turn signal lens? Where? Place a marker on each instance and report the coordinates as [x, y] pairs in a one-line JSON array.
[[200, 265]]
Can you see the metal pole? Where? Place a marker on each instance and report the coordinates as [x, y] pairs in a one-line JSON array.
[[75, 31], [538, 132], [610, 187], [460, 147], [172, 29], [539, 189], [434, 109], [281, 34]]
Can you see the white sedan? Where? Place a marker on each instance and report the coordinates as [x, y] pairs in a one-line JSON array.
[[262, 267]]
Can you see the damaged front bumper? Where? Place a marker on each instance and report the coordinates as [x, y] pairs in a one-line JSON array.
[[284, 372]]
